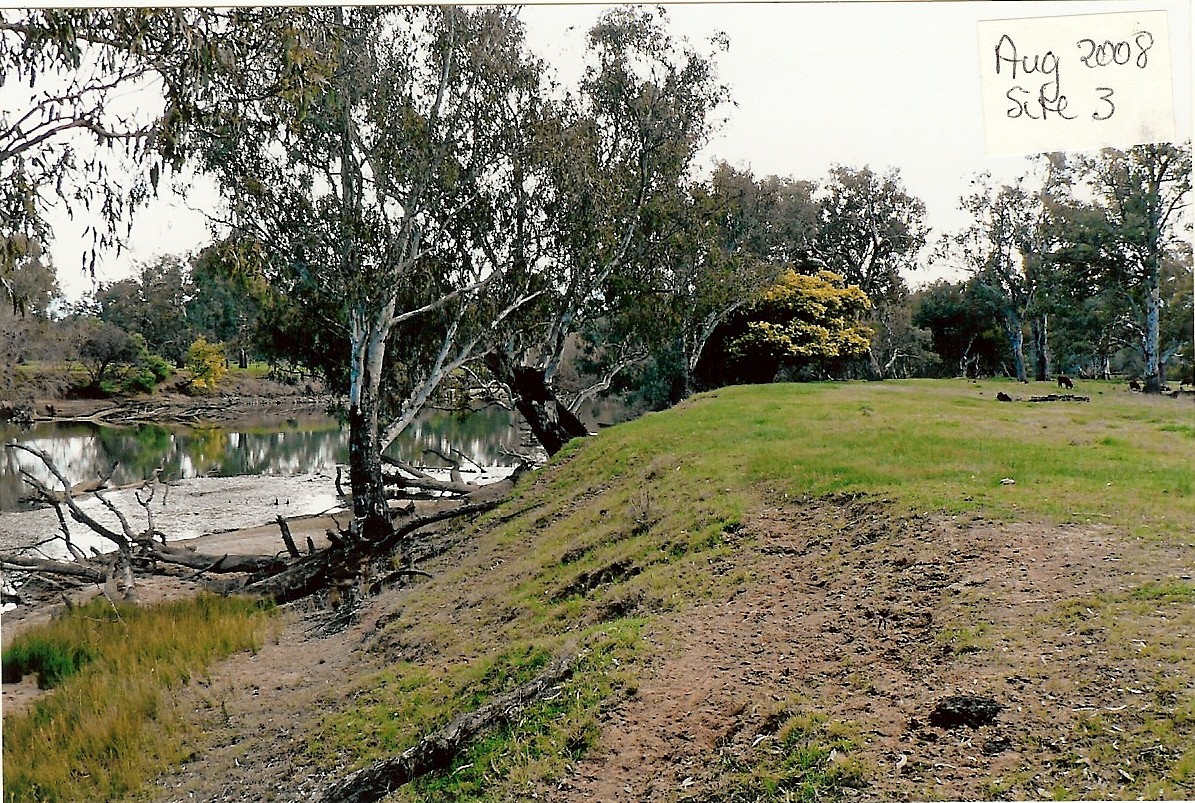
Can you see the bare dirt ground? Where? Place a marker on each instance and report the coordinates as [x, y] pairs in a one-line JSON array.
[[865, 619], [850, 616]]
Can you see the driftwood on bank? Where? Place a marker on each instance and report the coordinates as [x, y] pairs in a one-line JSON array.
[[81, 571], [436, 752], [221, 564], [152, 412], [314, 572], [413, 477], [285, 576]]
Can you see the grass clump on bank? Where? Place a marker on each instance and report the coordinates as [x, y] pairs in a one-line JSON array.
[[108, 725], [798, 757]]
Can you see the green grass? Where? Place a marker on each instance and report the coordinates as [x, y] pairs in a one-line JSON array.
[[109, 724], [944, 445], [641, 519]]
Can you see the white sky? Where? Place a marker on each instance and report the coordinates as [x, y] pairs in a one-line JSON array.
[[892, 84]]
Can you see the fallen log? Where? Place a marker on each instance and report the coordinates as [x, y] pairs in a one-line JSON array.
[[26, 563], [223, 564], [1064, 397], [437, 751]]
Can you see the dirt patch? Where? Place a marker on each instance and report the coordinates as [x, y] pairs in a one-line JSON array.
[[868, 620], [873, 622], [252, 717]]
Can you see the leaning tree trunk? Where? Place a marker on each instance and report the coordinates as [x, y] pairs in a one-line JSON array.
[[550, 420]]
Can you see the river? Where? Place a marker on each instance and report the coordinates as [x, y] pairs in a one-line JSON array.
[[304, 445]]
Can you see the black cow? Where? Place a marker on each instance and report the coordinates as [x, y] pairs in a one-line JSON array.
[[1064, 381]]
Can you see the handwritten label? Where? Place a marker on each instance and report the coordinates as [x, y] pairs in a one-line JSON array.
[[1076, 83]]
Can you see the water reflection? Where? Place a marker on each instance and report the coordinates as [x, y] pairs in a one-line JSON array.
[[297, 446]]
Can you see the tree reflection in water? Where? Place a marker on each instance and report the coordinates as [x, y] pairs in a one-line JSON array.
[[292, 447]]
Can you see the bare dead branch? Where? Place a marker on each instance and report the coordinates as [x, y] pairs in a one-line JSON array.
[[287, 538], [26, 563]]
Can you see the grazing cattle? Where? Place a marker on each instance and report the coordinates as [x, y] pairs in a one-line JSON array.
[[1134, 384], [1064, 381], [1002, 396]]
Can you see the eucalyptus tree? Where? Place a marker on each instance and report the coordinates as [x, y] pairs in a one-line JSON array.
[[1139, 196], [152, 304], [742, 233], [354, 167], [1004, 250], [92, 102], [625, 142], [870, 229]]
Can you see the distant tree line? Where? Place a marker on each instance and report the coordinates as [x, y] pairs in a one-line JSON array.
[[410, 198]]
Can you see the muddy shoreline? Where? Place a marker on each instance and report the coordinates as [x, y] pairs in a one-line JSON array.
[[173, 408]]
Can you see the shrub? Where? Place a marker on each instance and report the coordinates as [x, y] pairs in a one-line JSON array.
[[139, 381], [206, 363], [159, 367]]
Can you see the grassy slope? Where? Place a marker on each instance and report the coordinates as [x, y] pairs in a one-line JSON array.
[[641, 519], [646, 517]]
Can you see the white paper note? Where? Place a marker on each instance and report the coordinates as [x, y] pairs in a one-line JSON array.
[[1076, 83]]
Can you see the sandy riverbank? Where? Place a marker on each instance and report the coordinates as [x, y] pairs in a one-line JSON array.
[[185, 509]]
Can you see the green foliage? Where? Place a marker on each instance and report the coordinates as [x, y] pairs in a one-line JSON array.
[[109, 724], [963, 328], [159, 369], [118, 362], [803, 323], [207, 364], [869, 230], [226, 295], [152, 305]]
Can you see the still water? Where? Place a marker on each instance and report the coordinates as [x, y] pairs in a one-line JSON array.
[[307, 444]]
